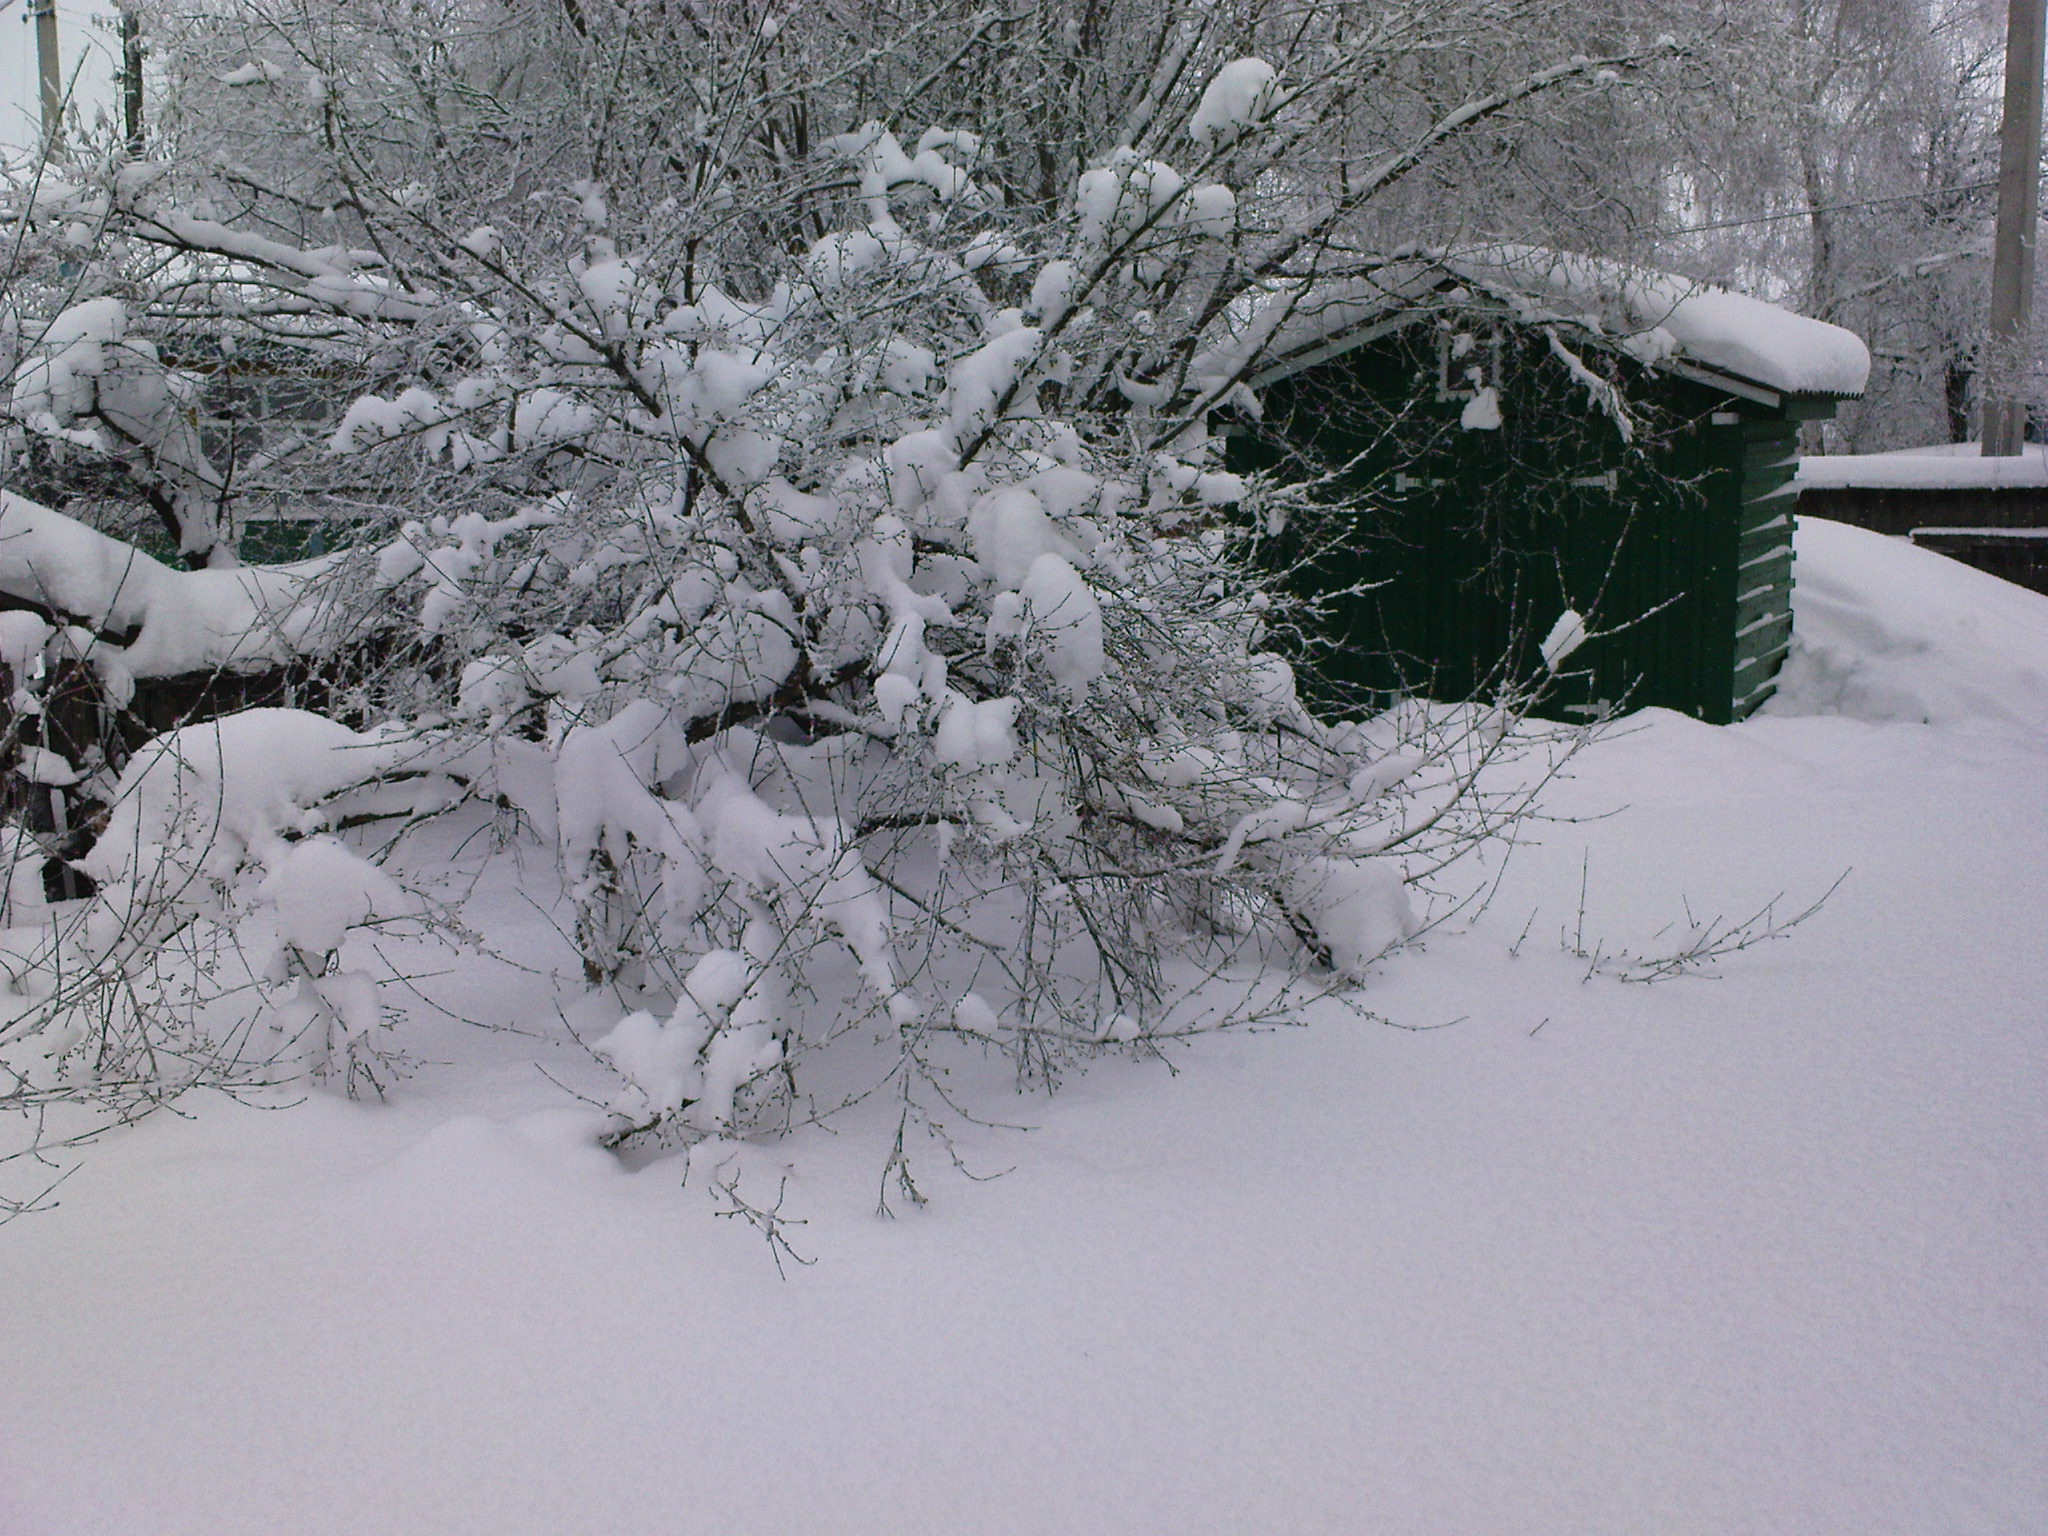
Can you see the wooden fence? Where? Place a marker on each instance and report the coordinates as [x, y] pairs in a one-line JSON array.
[[2002, 530]]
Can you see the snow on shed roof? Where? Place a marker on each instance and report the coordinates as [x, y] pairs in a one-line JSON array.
[[1949, 466], [1656, 317]]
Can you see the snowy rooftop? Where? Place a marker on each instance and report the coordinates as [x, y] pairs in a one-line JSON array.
[[1655, 317], [1661, 317], [1945, 466]]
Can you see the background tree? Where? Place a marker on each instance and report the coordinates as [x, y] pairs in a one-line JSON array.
[[1842, 153]]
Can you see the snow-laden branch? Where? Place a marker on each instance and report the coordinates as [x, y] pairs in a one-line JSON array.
[[154, 621], [331, 278]]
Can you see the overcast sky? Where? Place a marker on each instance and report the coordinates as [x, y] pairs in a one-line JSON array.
[[82, 34]]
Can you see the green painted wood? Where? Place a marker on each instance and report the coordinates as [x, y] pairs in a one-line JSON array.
[[1771, 537], [280, 542], [1769, 511], [1752, 672], [1763, 636], [1771, 569], [1751, 702], [263, 541], [1766, 480], [1761, 603], [1473, 542]]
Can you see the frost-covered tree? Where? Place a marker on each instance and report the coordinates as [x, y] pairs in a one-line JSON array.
[[1843, 153]]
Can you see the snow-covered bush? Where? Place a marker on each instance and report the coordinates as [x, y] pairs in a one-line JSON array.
[[838, 584], [845, 640], [216, 946]]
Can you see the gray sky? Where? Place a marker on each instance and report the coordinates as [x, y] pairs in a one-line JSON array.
[[79, 39]]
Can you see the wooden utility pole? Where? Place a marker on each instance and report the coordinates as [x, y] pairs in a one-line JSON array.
[[48, 73], [2009, 356], [131, 81]]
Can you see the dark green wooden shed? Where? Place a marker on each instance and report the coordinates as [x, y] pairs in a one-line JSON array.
[[1511, 436]]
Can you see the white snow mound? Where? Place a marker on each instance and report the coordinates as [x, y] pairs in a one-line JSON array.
[[1884, 631], [1359, 909]]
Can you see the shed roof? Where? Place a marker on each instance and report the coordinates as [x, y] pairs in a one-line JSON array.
[[1656, 317], [1947, 466]]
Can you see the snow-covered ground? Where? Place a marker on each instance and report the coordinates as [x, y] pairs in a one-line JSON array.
[[1755, 1251]]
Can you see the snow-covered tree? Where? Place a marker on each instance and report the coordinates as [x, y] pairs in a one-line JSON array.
[[1843, 153], [796, 517]]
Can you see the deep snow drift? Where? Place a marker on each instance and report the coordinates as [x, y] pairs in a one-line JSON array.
[[1753, 1250]]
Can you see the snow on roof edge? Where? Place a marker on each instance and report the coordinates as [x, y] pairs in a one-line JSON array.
[[1658, 312], [1655, 317], [1925, 470]]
